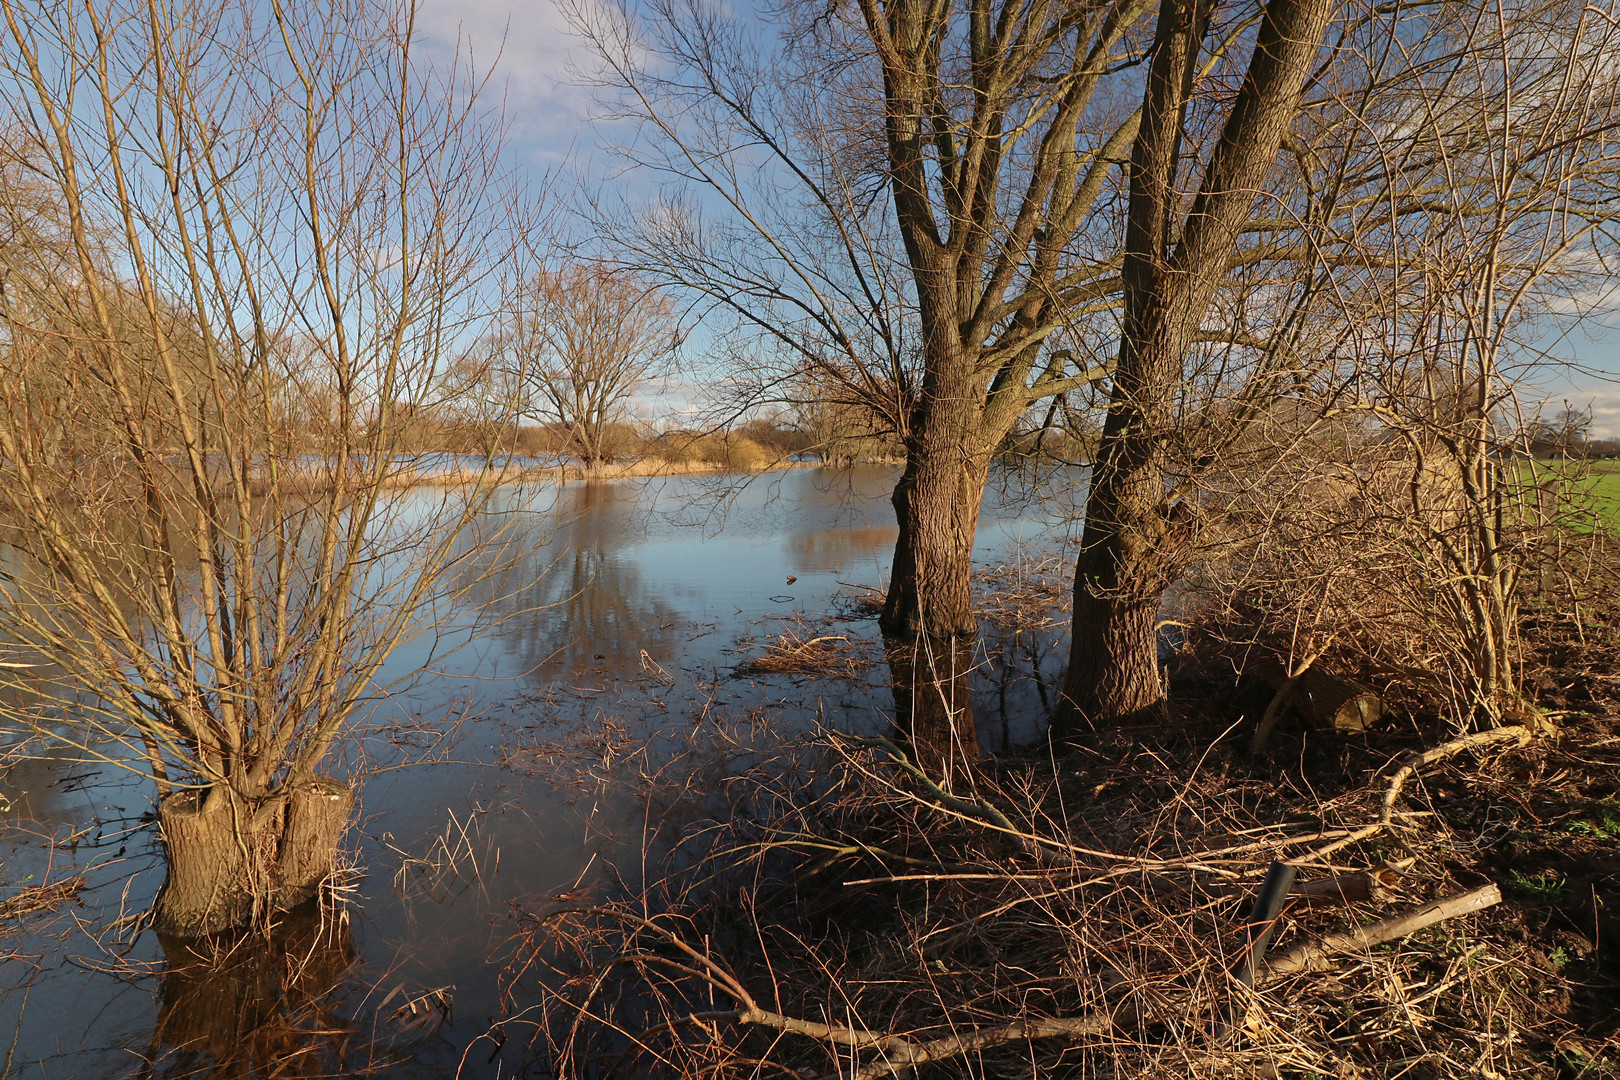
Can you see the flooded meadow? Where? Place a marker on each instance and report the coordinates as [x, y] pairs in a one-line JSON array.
[[621, 652]]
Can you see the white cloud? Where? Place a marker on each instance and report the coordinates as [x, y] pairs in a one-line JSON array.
[[1605, 405], [533, 54]]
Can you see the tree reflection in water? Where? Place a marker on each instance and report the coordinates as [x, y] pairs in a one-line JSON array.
[[564, 586], [838, 549], [262, 1005]]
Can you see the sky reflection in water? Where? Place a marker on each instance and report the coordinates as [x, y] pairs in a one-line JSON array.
[[608, 624]]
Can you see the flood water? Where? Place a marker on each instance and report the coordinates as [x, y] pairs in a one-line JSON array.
[[599, 666]]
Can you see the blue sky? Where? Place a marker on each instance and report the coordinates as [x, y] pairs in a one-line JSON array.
[[531, 50], [536, 59]]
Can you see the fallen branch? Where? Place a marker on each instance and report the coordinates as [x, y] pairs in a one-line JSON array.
[[1308, 957], [1362, 887], [1411, 762], [1312, 955], [897, 1052]]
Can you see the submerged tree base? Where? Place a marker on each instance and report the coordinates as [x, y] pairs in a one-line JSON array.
[[933, 712], [230, 862]]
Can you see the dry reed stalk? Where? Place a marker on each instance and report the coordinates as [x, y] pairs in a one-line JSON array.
[[1026, 593], [801, 650], [35, 899]]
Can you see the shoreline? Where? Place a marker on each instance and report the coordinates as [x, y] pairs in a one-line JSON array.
[[642, 467]]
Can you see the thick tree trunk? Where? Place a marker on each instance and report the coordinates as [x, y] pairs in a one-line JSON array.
[[936, 505], [928, 622], [230, 861], [933, 715], [221, 862], [1128, 552], [1133, 540]]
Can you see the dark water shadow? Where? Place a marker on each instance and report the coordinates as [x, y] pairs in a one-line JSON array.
[[251, 1005]]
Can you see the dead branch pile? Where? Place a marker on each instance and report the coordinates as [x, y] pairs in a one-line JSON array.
[[1025, 594], [37, 899], [1100, 919], [805, 649]]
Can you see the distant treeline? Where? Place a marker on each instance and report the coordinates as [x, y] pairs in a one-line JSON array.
[[746, 446]]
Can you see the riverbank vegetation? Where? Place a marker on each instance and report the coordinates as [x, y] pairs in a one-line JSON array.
[[1326, 784], [1304, 310], [1444, 907]]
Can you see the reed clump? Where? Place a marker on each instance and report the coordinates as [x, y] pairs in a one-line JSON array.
[[809, 649], [43, 897]]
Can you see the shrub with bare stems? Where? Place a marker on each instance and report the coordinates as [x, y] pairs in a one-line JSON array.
[[1360, 557], [236, 245]]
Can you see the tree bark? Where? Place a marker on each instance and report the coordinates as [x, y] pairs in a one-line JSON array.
[[937, 501], [317, 817], [230, 860], [1136, 534], [221, 862], [1129, 551], [936, 506]]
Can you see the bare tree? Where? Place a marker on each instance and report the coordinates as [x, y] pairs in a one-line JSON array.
[[577, 344], [253, 238], [1430, 189], [904, 202], [480, 399], [920, 204]]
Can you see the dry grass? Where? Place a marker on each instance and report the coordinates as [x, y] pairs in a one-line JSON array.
[[459, 859], [806, 648], [1083, 917], [1026, 594], [859, 601], [28, 900]]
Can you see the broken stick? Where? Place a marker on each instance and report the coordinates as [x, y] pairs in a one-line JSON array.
[[1312, 955]]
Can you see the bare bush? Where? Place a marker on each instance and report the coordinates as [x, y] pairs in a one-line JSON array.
[[884, 924], [1398, 514], [239, 242]]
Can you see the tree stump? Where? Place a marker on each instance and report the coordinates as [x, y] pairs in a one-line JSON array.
[[1341, 704], [1325, 700], [230, 860], [221, 862], [317, 816]]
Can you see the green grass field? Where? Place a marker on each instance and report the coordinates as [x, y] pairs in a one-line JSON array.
[[1600, 483], [1604, 483]]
